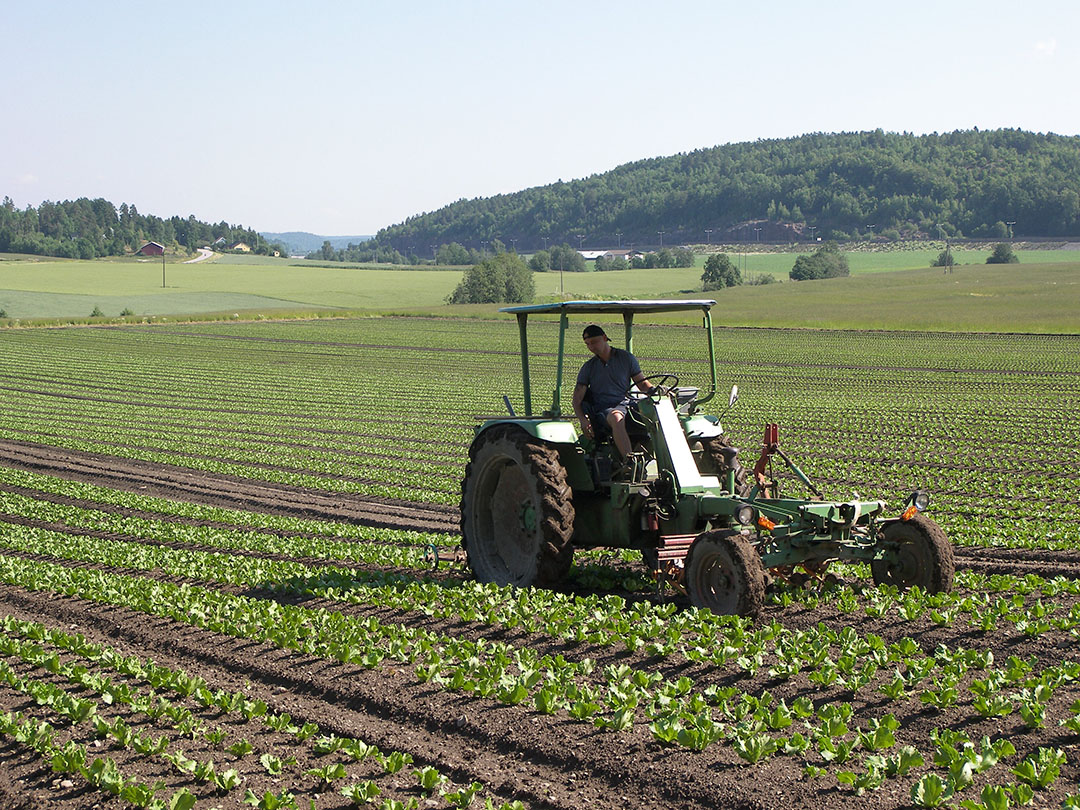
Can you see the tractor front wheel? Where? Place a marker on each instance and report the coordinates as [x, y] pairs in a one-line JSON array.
[[723, 573], [919, 553], [517, 516]]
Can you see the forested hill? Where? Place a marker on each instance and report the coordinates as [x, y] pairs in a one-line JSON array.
[[965, 183], [86, 229]]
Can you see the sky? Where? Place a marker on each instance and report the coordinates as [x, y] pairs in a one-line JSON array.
[[341, 118]]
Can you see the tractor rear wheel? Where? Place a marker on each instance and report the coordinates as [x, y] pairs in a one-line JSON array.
[[713, 463], [723, 573], [517, 516], [923, 556]]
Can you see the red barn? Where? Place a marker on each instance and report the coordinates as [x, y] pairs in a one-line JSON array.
[[151, 249]]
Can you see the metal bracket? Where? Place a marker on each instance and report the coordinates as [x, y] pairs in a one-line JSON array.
[[433, 555]]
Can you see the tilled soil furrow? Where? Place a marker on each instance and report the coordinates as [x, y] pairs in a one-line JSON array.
[[182, 483], [314, 562]]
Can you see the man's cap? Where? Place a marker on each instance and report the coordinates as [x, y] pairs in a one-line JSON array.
[[591, 331]]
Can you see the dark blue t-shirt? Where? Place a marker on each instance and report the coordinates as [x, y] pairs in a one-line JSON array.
[[609, 383]]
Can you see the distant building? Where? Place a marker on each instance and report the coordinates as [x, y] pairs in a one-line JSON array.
[[220, 240], [151, 249], [621, 253], [243, 247]]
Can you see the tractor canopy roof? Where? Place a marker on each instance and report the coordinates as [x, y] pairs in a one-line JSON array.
[[651, 305], [627, 309]]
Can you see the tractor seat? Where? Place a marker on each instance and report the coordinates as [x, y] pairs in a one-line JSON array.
[[685, 394]]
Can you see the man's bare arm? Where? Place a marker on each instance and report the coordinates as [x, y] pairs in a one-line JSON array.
[[579, 411]]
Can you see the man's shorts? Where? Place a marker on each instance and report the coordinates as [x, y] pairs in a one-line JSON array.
[[621, 408]]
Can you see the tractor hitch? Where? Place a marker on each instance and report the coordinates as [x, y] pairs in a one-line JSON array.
[[770, 447]]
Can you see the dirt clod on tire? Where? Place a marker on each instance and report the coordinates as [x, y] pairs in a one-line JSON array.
[[724, 574], [925, 557]]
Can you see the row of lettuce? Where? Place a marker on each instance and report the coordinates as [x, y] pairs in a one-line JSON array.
[[691, 680], [386, 407]]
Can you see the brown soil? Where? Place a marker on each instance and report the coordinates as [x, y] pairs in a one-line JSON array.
[[516, 752], [233, 492]]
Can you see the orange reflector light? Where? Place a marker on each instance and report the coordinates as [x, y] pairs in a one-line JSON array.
[[909, 513], [765, 523]]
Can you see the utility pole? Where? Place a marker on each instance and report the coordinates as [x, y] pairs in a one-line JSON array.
[[163, 268], [618, 235], [1010, 224], [708, 235], [661, 239]]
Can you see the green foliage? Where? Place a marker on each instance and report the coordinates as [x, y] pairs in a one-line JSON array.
[[826, 262], [968, 182], [565, 258], [361, 793], [944, 259], [606, 263], [504, 278], [454, 253], [931, 791], [1002, 254], [540, 262], [87, 229], [369, 251], [719, 273], [1041, 769]]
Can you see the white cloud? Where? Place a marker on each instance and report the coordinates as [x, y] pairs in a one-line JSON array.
[[26, 179], [1046, 48]]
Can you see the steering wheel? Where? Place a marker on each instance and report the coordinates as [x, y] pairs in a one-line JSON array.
[[657, 380]]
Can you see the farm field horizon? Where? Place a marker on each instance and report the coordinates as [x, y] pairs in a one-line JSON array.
[[214, 588], [887, 290]]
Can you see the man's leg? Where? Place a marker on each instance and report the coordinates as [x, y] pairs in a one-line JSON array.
[[617, 421]]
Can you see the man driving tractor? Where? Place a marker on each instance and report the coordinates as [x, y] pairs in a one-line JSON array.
[[605, 379]]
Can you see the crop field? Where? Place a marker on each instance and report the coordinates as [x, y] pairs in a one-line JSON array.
[[215, 587]]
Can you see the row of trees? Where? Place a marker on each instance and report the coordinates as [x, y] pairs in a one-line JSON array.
[[86, 229], [369, 251], [982, 184]]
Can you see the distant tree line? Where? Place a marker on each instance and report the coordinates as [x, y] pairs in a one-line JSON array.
[[990, 184], [87, 229], [364, 252]]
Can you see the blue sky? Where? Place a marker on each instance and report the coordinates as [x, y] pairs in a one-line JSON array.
[[344, 117]]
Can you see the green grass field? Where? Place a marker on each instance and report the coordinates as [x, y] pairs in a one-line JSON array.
[[887, 290], [71, 289]]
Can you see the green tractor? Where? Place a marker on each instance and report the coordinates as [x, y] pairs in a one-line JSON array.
[[534, 490]]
